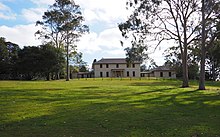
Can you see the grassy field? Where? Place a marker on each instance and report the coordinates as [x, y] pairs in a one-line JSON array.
[[108, 108]]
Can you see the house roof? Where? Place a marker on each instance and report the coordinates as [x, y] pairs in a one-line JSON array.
[[163, 68], [113, 61]]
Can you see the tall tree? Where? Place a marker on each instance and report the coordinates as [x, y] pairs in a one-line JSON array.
[[51, 62], [3, 57], [29, 65], [62, 24], [210, 19], [213, 61], [8, 58], [175, 20]]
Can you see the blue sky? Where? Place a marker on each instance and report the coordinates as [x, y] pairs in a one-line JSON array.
[[18, 17]]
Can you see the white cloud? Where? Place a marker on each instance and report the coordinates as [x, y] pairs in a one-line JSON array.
[[108, 42], [89, 43], [105, 43], [90, 15], [114, 53], [4, 7], [104, 10], [23, 35], [33, 14], [158, 57], [6, 17], [43, 2], [6, 13]]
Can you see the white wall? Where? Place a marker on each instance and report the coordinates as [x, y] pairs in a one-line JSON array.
[[97, 70], [165, 74]]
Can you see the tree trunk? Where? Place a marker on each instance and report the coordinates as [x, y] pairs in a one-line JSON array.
[[184, 59], [58, 76], [67, 61], [203, 52], [48, 77], [185, 72], [202, 72], [67, 69]]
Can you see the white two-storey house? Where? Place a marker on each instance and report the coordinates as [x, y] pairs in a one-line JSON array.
[[115, 67]]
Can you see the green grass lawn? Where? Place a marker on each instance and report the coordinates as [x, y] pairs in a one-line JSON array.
[[108, 108]]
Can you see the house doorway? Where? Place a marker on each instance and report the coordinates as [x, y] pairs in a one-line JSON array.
[[117, 73]]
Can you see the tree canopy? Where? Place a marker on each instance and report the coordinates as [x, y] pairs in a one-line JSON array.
[[63, 25], [36, 62], [179, 21]]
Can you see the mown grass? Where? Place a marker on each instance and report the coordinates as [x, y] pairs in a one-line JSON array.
[[108, 108]]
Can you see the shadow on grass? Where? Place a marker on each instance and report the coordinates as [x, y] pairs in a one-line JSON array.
[[92, 114], [91, 87], [156, 83], [18, 91]]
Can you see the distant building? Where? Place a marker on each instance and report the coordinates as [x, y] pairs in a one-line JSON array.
[[115, 67], [160, 72], [85, 75], [82, 75]]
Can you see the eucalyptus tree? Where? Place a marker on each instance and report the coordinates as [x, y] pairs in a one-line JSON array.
[[63, 25], [163, 20], [210, 32]]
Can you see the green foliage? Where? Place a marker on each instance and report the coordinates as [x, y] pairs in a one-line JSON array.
[[136, 53], [30, 62], [213, 60], [173, 59], [38, 62], [53, 60], [83, 68], [95, 108], [62, 24], [8, 59], [3, 56], [209, 32], [143, 68], [78, 64]]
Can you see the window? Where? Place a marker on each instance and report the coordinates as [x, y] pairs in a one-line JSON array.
[[161, 74], [101, 74], [170, 74], [117, 65], [100, 65], [133, 65], [128, 65], [107, 74], [127, 73], [133, 73], [106, 65]]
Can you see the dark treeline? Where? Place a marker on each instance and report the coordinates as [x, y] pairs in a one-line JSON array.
[[41, 62]]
